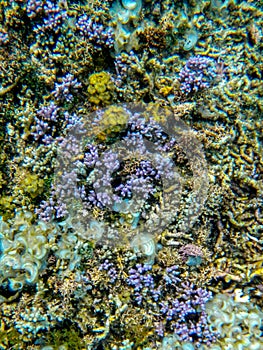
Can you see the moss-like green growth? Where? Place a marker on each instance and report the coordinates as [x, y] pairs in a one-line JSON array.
[[69, 338], [10, 338], [7, 207]]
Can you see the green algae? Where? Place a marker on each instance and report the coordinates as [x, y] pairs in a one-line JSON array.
[[68, 338]]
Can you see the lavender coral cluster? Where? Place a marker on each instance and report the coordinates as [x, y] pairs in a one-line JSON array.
[[48, 116], [144, 177], [180, 306], [53, 16], [110, 269], [101, 179], [187, 316], [197, 74], [177, 307], [45, 117], [100, 195], [95, 32], [65, 88], [143, 283]]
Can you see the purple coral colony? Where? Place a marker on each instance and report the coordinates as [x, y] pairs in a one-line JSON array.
[[131, 174]]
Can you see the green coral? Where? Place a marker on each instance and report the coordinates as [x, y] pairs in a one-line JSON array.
[[10, 338], [66, 338]]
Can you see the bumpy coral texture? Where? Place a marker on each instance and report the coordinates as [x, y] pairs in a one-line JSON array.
[[100, 88], [239, 324], [24, 249]]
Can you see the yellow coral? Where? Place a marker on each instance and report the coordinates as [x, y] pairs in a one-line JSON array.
[[113, 121], [29, 183], [7, 207], [165, 90], [1, 180], [33, 185], [100, 88]]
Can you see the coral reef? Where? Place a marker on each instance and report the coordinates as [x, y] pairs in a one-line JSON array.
[[139, 225]]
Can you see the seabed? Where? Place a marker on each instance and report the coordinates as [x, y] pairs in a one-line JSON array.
[[131, 175]]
